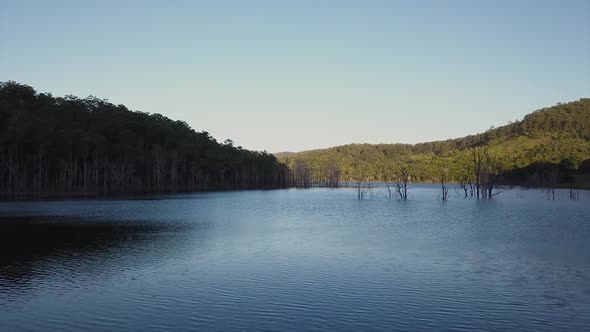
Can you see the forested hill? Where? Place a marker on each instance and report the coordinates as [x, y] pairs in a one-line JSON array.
[[551, 136], [69, 144]]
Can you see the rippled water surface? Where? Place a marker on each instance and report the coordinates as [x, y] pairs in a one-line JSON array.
[[296, 260]]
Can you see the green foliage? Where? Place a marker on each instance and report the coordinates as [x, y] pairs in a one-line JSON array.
[[551, 134]]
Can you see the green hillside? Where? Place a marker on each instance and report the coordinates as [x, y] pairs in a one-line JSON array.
[[555, 135], [67, 144]]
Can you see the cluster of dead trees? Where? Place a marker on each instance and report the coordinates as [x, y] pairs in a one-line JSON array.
[[397, 188], [479, 177], [444, 186], [548, 176], [403, 179], [364, 190], [485, 170], [302, 175], [482, 173], [574, 194]]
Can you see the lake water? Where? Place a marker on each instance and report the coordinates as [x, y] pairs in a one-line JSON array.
[[313, 259]]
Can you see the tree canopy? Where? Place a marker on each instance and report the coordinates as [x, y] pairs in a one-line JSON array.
[[68, 143], [556, 134]]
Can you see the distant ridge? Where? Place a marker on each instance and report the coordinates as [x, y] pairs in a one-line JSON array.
[[552, 134]]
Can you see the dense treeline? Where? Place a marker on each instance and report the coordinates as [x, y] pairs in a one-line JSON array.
[[556, 135], [54, 144], [302, 175], [549, 175]]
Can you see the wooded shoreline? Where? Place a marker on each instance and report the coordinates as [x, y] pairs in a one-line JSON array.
[[68, 145], [53, 144]]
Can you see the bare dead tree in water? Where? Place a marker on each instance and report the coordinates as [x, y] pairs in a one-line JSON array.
[[550, 193], [361, 190], [301, 174], [479, 153], [445, 191], [466, 185], [333, 175], [364, 191], [548, 175], [548, 181], [467, 188], [443, 175], [401, 186], [390, 193], [445, 188], [484, 171], [463, 187], [490, 170]]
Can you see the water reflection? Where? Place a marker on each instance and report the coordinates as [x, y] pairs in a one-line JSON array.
[[80, 251], [308, 259]]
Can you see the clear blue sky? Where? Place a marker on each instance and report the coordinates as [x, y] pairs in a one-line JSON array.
[[290, 76]]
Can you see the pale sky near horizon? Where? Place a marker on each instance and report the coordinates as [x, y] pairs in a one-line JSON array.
[[297, 75]]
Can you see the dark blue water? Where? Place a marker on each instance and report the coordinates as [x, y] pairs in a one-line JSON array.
[[297, 260]]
